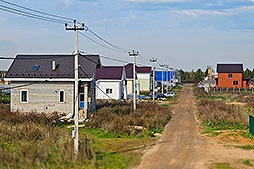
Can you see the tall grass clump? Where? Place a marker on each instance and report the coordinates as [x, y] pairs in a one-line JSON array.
[[219, 115], [120, 120], [32, 141]]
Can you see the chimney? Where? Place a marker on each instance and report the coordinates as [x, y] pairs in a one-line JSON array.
[[53, 65]]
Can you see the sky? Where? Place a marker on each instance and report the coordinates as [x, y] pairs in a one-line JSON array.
[[184, 34]]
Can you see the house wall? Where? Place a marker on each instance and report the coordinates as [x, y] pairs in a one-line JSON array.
[[225, 81], [144, 81], [43, 97], [114, 85], [129, 86]]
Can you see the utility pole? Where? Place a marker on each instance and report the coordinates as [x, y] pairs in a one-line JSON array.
[[167, 76], [75, 28], [162, 80], [153, 60], [134, 54]]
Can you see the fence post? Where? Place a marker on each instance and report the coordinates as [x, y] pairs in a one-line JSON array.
[[251, 124]]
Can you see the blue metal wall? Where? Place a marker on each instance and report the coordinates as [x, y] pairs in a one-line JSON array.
[[166, 76]]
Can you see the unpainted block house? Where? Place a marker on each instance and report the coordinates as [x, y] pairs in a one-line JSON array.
[[45, 83], [231, 76]]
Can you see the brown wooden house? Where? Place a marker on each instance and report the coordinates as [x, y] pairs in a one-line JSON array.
[[230, 76]]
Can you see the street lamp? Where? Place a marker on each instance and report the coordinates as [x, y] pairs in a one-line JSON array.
[[162, 66], [153, 60]]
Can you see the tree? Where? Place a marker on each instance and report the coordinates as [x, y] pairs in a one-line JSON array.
[[199, 74]]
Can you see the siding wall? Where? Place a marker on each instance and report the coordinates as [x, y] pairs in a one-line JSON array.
[[144, 80], [225, 81], [43, 97], [114, 85]]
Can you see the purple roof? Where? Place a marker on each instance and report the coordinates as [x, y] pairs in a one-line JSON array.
[[40, 66], [139, 69], [109, 72], [230, 68]]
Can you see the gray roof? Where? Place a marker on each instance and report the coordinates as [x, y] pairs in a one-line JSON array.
[[40, 66], [230, 68]]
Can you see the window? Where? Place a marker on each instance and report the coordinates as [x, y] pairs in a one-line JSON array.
[[235, 82], [230, 75], [109, 91], [24, 96], [35, 67], [61, 96]]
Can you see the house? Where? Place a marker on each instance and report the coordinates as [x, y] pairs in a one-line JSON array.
[[230, 76], [45, 83], [110, 82], [144, 75], [143, 78]]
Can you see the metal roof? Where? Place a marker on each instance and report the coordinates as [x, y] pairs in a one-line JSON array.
[[40, 66], [230, 68], [109, 72]]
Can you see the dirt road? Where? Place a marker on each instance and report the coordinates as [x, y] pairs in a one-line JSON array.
[[183, 147]]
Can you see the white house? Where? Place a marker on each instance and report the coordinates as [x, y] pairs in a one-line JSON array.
[[110, 82]]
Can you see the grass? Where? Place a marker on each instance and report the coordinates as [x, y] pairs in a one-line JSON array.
[[247, 162], [108, 140], [247, 147], [222, 166]]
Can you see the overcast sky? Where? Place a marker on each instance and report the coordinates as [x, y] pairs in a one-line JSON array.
[[185, 34]]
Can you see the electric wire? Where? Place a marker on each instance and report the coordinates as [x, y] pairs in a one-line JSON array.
[[107, 42], [37, 11], [115, 50], [31, 15], [96, 84]]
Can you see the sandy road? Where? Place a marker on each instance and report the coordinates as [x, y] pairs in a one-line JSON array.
[[183, 147]]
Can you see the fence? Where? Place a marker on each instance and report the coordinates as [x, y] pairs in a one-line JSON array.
[[251, 124]]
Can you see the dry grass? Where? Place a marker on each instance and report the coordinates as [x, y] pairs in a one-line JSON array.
[[120, 119], [224, 110], [30, 141]]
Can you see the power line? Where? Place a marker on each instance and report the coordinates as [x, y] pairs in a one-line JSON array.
[[96, 84], [115, 50], [31, 13], [107, 42], [37, 11]]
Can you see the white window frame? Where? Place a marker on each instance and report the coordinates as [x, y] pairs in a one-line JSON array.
[[21, 91], [60, 91]]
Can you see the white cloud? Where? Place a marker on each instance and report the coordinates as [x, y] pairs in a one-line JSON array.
[[65, 2], [228, 12]]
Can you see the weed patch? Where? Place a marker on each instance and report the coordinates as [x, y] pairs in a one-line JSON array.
[[247, 162], [222, 166], [120, 121]]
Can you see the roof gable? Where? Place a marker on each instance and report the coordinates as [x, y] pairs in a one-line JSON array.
[[139, 69], [40, 66], [230, 68], [110, 72]]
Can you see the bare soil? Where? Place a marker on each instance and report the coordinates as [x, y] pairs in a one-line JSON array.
[[182, 146]]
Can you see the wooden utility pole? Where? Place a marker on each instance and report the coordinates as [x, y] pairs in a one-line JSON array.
[[75, 28]]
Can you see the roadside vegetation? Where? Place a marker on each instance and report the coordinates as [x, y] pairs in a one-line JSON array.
[[113, 137], [224, 111]]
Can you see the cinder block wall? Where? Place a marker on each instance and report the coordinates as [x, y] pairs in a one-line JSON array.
[[43, 97]]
